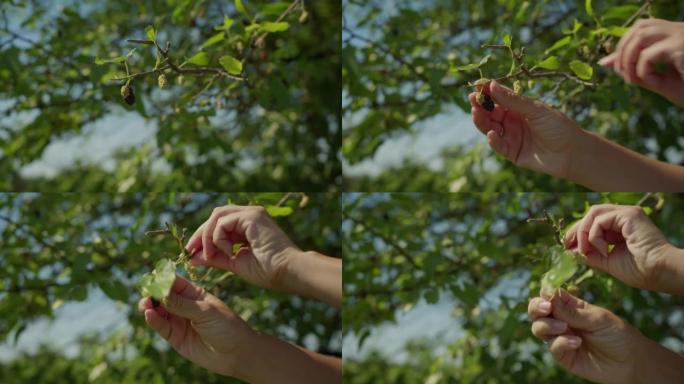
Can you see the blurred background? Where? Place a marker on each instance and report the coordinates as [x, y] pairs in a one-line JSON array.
[[68, 268], [405, 115], [64, 125], [436, 286]]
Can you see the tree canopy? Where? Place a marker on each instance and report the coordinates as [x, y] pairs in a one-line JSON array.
[[60, 248], [249, 98], [478, 253], [405, 64]]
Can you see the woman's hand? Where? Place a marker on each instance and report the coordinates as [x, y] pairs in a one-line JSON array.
[[595, 344], [200, 327], [527, 132], [536, 137], [266, 257], [265, 250], [640, 256], [648, 43]]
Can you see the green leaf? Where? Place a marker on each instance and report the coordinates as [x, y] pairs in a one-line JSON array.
[[213, 40], [130, 53], [158, 283], [507, 40], [588, 8], [276, 211], [564, 266], [151, 33], [200, 58], [550, 62], [231, 64], [275, 27], [118, 59], [582, 70], [617, 31], [560, 43], [227, 23], [241, 7], [620, 12]]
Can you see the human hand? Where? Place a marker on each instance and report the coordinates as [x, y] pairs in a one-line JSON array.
[[647, 43], [639, 247], [265, 252], [587, 340], [200, 327], [527, 132]]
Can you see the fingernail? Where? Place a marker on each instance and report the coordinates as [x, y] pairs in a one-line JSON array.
[[545, 306], [603, 61], [574, 341]]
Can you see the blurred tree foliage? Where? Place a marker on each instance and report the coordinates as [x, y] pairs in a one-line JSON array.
[[478, 252], [405, 63], [279, 130], [58, 248]]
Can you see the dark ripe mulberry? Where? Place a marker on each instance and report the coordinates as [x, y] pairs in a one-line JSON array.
[[485, 101], [128, 94]]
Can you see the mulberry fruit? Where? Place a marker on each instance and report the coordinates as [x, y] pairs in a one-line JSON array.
[[128, 94], [517, 87], [162, 81], [485, 101], [155, 302]]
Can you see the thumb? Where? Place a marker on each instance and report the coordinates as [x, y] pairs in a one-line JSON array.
[[506, 98], [578, 313], [192, 309]]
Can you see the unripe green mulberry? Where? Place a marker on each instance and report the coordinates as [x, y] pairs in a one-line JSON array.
[[517, 87], [162, 81]]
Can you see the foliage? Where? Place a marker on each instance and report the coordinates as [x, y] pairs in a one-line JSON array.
[[405, 64], [274, 126], [58, 248], [479, 253]]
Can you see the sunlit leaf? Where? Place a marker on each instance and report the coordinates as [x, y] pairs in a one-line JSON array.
[[582, 70]]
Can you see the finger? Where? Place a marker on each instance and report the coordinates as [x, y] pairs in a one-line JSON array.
[[648, 58], [221, 237], [183, 287], [185, 307], [195, 243], [145, 303], [546, 328], [506, 98], [601, 224], [577, 313], [583, 229], [210, 250], [538, 307], [624, 40], [563, 344], [570, 238], [608, 61], [159, 323], [498, 143], [632, 51]]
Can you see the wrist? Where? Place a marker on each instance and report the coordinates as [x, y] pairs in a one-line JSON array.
[[656, 364], [285, 279], [668, 270]]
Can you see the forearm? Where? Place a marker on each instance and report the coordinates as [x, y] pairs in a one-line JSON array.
[[314, 275], [602, 165], [271, 360], [669, 277], [657, 364]]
